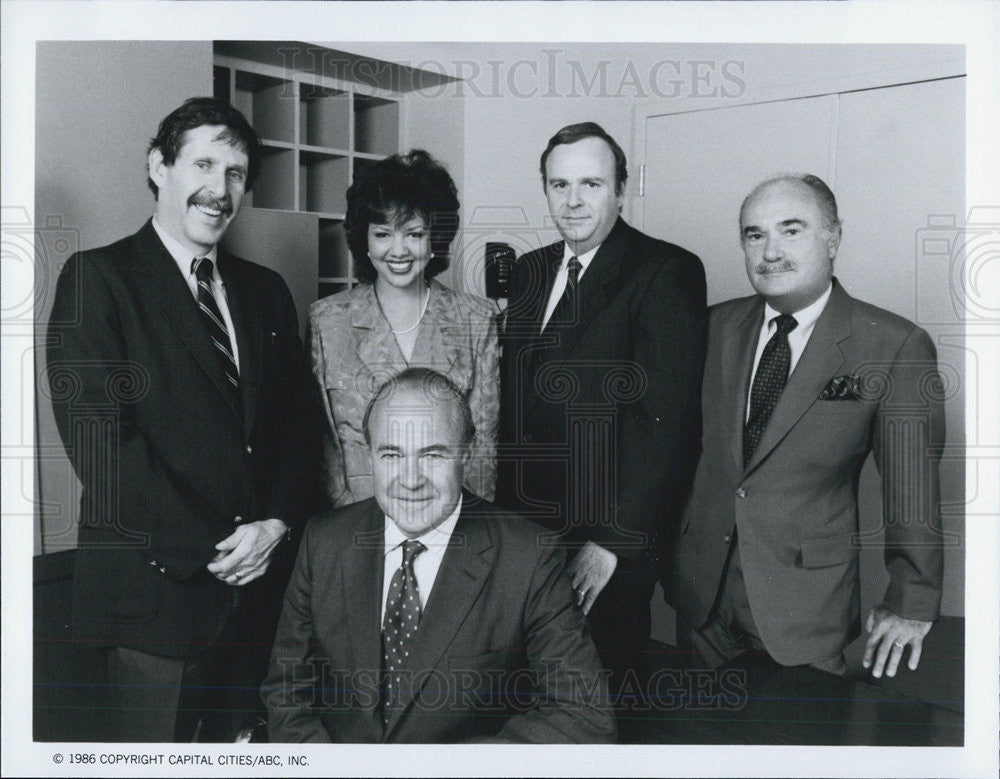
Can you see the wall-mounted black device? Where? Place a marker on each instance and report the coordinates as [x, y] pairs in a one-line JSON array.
[[499, 264]]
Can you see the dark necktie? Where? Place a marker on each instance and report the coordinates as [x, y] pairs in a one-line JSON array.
[[402, 616], [212, 317], [565, 312], [768, 382]]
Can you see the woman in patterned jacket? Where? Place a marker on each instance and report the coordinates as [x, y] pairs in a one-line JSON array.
[[402, 215]]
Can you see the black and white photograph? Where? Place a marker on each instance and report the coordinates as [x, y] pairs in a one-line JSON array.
[[485, 375]]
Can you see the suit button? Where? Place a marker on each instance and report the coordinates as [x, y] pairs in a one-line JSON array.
[[727, 538], [237, 519], [741, 493], [249, 449], [162, 569], [527, 438]]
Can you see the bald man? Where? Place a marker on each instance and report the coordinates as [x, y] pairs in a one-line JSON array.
[[802, 383]]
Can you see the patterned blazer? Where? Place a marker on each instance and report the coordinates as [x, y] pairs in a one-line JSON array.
[[353, 351]]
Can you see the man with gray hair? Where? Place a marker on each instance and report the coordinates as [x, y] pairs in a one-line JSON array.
[[802, 382], [426, 614]]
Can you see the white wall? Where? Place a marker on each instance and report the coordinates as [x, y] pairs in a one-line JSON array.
[[514, 96]]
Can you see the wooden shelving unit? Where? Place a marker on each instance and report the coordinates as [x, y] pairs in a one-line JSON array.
[[317, 133]]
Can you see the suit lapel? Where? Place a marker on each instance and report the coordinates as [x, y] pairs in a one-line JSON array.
[[245, 307], [441, 334], [464, 570], [593, 294], [377, 348], [162, 283], [820, 360], [738, 352], [550, 259], [535, 342], [362, 566], [557, 342]]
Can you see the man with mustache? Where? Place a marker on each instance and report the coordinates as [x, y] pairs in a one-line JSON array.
[[802, 382], [599, 417], [182, 415]]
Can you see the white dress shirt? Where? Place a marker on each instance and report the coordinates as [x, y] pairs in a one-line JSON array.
[[797, 339], [426, 564], [185, 261], [559, 285]]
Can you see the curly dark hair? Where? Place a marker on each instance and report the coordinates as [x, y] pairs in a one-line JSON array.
[[198, 111], [397, 189]]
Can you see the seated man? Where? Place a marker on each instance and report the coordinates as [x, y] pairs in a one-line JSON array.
[[429, 615]]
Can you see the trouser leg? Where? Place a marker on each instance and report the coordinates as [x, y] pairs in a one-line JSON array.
[[620, 626]]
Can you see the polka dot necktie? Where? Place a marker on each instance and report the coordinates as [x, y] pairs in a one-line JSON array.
[[212, 316], [402, 615], [768, 382]]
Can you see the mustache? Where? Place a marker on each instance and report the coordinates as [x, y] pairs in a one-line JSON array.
[[223, 204], [764, 268]]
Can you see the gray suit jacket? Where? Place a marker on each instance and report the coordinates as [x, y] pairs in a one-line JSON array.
[[794, 507]]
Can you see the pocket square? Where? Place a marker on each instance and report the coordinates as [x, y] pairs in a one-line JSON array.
[[842, 388]]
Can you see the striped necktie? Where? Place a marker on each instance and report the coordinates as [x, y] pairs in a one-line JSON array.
[[212, 317]]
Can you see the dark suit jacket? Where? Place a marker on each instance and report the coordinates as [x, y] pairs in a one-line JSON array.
[[599, 419], [167, 464], [501, 652], [794, 507]]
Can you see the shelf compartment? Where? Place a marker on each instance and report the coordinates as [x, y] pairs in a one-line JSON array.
[[376, 125], [323, 181], [324, 117], [334, 256], [275, 186], [269, 103]]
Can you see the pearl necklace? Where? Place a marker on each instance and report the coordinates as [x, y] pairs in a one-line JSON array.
[[416, 324]]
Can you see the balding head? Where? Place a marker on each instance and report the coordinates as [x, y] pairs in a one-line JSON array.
[[790, 234]]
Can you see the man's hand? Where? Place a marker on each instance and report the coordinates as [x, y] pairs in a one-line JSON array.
[[890, 633], [245, 555], [590, 571]]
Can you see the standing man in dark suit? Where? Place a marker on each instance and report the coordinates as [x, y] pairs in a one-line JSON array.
[[802, 382], [603, 354], [426, 614], [177, 377]]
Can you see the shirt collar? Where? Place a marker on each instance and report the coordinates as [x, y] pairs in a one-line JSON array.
[[436, 540], [181, 254], [584, 258], [806, 317]]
